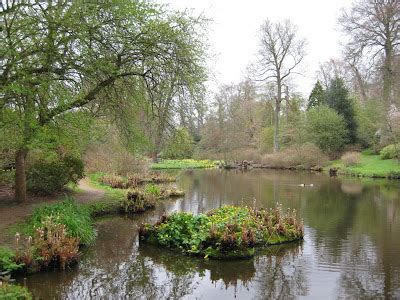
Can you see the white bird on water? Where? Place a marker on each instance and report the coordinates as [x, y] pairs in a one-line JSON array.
[[304, 185]]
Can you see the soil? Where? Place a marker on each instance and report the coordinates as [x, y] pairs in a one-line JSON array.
[[12, 212]]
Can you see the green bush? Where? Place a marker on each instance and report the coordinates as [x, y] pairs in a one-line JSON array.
[[51, 174], [327, 129], [391, 152], [7, 261], [12, 291], [76, 218], [181, 145]]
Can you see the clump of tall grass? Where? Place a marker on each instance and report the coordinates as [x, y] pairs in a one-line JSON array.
[[76, 219]]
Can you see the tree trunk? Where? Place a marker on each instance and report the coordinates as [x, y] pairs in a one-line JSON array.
[[387, 72], [20, 175], [277, 113]]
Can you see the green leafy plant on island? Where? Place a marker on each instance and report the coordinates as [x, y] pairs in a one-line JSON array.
[[227, 232], [13, 291], [9, 265]]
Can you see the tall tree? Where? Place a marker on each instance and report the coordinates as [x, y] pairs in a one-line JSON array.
[[337, 98], [63, 56], [280, 53], [317, 96], [374, 30]]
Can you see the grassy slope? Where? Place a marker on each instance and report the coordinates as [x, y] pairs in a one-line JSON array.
[[110, 203], [183, 164], [369, 166]]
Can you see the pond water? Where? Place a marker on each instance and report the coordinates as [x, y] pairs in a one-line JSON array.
[[351, 246]]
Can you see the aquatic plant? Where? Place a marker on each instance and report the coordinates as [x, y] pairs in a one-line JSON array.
[[134, 180], [13, 291], [114, 181], [227, 232], [138, 201], [51, 246], [171, 192], [159, 178], [152, 189], [7, 261]]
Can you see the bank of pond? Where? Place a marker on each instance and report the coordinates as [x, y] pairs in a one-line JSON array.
[[355, 164], [54, 235]]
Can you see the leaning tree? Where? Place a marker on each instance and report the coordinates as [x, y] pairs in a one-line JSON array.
[[59, 57]]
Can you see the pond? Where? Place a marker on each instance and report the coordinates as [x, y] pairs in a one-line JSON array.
[[351, 246]]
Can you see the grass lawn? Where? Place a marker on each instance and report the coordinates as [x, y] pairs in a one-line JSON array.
[[184, 164], [370, 166]]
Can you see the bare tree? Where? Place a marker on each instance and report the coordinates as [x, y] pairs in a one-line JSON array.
[[374, 30], [331, 69], [280, 53]]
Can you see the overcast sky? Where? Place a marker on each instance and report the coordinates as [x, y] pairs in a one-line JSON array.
[[234, 33]]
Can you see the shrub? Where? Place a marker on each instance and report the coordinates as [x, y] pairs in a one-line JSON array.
[[13, 291], [110, 155], [391, 152], [327, 129], [266, 139], [307, 156], [47, 175], [181, 145], [351, 158], [77, 220], [138, 201]]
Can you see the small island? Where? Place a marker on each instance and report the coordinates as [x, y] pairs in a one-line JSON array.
[[229, 232]]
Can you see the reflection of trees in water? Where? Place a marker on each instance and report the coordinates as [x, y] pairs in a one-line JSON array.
[[272, 267], [281, 273], [178, 264], [360, 233], [361, 276]]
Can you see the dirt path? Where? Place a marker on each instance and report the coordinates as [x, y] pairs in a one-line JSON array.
[[12, 212], [87, 192]]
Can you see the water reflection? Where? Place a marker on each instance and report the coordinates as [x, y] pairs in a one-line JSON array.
[[350, 249]]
